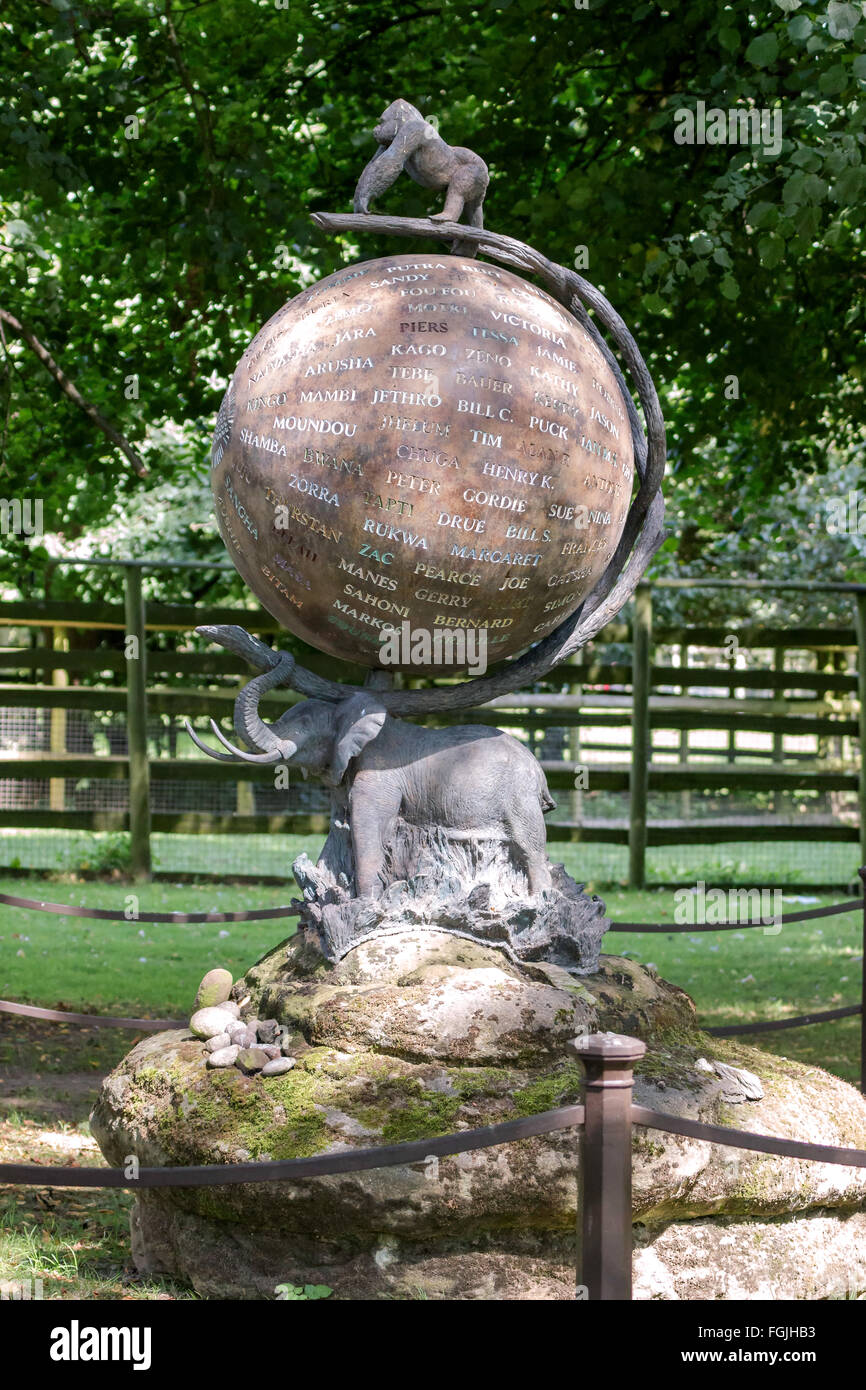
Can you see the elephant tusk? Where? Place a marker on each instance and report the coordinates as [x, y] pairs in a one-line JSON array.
[[211, 752], [273, 757]]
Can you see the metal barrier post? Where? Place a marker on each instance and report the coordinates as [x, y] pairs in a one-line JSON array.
[[862, 873], [604, 1222]]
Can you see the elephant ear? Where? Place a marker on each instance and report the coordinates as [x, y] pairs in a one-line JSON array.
[[356, 722]]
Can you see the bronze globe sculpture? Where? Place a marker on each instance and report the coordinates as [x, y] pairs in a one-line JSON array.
[[431, 444], [384, 1011], [422, 439]]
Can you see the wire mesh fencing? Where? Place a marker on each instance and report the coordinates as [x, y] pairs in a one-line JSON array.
[[754, 771]]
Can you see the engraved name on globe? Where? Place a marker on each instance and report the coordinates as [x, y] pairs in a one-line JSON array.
[[422, 439]]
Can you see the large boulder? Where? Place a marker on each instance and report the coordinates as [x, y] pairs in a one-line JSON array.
[[416, 1035]]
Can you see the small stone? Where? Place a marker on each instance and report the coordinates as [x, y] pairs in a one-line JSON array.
[[214, 989], [272, 1049], [268, 1031], [207, 1023], [240, 1033], [278, 1066], [251, 1059], [225, 1057], [252, 1024], [217, 1043], [738, 1085]]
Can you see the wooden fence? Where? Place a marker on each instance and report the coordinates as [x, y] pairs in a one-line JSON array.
[[816, 688]]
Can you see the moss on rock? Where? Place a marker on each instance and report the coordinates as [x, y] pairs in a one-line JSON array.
[[412, 1038]]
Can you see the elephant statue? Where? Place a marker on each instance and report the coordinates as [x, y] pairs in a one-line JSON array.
[[471, 782]]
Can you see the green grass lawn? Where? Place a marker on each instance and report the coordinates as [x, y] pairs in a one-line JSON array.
[[741, 977], [147, 969], [751, 862]]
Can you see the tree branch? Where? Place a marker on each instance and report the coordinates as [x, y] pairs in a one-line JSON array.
[[200, 103], [71, 390]]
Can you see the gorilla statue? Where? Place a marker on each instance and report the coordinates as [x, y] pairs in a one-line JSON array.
[[407, 141]]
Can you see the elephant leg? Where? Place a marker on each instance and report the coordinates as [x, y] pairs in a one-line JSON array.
[[372, 818], [529, 838], [537, 872]]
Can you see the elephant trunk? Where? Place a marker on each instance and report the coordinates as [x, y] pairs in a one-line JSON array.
[[249, 722]]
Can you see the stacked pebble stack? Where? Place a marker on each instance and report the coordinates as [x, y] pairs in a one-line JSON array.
[[252, 1045]]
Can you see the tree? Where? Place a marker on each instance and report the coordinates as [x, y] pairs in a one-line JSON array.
[[160, 160]]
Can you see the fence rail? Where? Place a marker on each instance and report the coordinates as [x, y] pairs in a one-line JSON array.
[[667, 699]]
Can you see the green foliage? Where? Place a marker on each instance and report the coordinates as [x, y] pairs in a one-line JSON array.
[[160, 161], [791, 533], [110, 854]]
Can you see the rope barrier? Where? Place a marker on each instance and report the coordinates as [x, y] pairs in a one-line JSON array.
[[144, 1025], [106, 914], [850, 905], [261, 914], [418, 1151], [158, 1025], [323, 1165], [731, 1030], [745, 1139]]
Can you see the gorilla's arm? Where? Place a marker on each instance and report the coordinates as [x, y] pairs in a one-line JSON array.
[[387, 164], [366, 188]]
